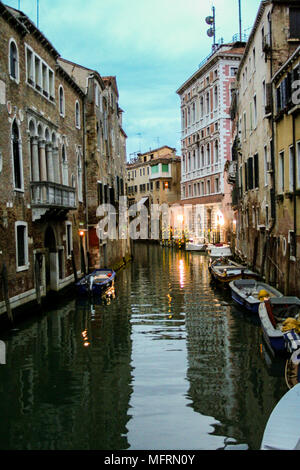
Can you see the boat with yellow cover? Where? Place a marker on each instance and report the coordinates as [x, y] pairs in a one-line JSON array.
[[249, 293]]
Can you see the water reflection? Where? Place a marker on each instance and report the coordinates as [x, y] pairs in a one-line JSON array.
[[166, 362]]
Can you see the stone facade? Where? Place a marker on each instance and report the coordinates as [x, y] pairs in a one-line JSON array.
[[49, 164], [206, 140], [105, 145], [255, 148]]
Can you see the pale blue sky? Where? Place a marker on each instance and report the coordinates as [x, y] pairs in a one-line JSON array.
[[152, 46]]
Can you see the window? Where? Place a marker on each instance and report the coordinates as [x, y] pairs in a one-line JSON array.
[[291, 169], [65, 178], [21, 246], [69, 238], [250, 173], [207, 103], [38, 74], [17, 159], [295, 22], [266, 165], [61, 98], [154, 169], [256, 171], [165, 168], [281, 172], [79, 178], [216, 151], [30, 69], [13, 61], [217, 185], [208, 154], [298, 163], [245, 126], [255, 111], [201, 107], [216, 98], [157, 185], [233, 71], [208, 187], [77, 115]]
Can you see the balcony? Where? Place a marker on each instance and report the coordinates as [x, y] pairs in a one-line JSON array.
[[51, 197]]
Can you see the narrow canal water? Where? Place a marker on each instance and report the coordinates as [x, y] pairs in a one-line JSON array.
[[169, 363]]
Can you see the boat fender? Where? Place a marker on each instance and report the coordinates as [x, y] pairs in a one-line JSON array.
[[263, 294]]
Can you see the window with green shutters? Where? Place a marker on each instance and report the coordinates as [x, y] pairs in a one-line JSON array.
[[154, 169], [165, 168]]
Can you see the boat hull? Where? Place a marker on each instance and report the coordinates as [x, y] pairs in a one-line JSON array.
[[85, 287], [249, 300]]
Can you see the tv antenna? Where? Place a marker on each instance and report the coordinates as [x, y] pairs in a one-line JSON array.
[[211, 21]]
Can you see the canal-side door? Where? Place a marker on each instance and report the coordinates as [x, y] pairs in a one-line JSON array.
[[51, 260]]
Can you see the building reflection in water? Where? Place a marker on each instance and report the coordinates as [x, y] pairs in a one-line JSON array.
[[67, 381], [227, 375], [168, 362]]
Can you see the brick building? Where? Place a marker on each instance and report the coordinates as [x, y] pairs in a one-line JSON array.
[[60, 145], [105, 147]]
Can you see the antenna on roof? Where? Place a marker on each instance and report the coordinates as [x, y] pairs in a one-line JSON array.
[[240, 19], [37, 13], [211, 20]]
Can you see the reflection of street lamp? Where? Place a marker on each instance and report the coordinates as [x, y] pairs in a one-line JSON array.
[[220, 223]]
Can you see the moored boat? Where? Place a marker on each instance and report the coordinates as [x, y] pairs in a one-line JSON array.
[[282, 431], [219, 250], [224, 271], [292, 369], [194, 245], [249, 293], [96, 282], [277, 317]]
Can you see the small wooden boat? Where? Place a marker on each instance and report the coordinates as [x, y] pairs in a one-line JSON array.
[[292, 369], [194, 245], [282, 431], [274, 313], [225, 270], [249, 293], [219, 250], [97, 282]]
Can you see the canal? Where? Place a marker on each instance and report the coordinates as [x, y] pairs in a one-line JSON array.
[[169, 363]]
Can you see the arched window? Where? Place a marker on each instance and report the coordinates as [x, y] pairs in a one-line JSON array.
[[17, 160], [202, 157], [208, 154], [216, 151], [13, 60], [65, 179], [79, 177], [77, 115], [61, 101]]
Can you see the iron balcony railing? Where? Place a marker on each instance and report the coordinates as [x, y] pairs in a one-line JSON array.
[[52, 195]]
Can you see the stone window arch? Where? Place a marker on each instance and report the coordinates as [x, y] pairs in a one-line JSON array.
[[61, 100], [13, 60], [17, 156]]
